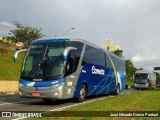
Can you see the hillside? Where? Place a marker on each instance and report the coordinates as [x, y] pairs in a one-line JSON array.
[[8, 69]]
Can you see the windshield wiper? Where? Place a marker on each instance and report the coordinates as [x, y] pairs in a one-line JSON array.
[[34, 68]]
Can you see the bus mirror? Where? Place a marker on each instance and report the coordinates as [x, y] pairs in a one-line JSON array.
[[148, 76], [17, 52], [70, 66], [66, 52]]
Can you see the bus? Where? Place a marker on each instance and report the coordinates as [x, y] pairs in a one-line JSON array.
[[62, 68], [144, 79]]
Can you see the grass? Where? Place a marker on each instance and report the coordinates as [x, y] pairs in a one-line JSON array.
[[10, 70], [143, 100], [137, 101], [129, 82]]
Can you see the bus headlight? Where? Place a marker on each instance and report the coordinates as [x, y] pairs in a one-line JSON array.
[[57, 85], [147, 84]]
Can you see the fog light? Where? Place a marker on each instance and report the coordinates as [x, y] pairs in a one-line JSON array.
[[19, 93], [56, 94], [146, 84]]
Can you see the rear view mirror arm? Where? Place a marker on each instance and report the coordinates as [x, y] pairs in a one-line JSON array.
[[17, 52], [66, 51]]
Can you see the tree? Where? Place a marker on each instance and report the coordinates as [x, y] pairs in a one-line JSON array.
[[157, 74], [119, 53], [130, 69], [24, 34], [4, 47]]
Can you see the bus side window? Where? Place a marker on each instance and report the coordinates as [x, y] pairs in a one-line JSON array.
[[108, 62], [71, 65]]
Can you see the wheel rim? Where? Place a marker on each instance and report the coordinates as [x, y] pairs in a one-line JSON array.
[[117, 89], [82, 93]]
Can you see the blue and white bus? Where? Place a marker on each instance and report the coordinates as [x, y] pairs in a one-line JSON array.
[[62, 68]]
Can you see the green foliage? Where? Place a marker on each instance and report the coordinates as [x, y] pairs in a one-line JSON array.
[[129, 82], [130, 69], [10, 70], [146, 100], [119, 53], [4, 48], [24, 34], [126, 102], [157, 74]]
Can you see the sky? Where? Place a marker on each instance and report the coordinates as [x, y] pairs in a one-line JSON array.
[[132, 24]]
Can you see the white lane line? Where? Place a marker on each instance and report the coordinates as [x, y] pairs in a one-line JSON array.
[[20, 102], [19, 118], [63, 108]]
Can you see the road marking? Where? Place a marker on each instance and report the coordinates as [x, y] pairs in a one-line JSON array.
[[20, 102], [19, 118], [62, 108]]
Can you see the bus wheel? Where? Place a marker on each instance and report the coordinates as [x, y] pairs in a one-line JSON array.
[[47, 100], [82, 94]]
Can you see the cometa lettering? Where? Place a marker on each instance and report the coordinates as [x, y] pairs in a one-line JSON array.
[[97, 71]]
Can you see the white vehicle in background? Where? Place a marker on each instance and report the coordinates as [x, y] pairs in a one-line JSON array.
[[144, 79]]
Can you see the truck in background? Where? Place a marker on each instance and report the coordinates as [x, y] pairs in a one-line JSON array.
[[144, 79]]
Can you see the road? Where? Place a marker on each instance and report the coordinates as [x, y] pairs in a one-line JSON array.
[[15, 103]]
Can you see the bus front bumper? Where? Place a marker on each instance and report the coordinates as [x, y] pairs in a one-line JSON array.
[[141, 86], [42, 92]]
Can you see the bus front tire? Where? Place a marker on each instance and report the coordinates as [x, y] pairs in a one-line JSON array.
[[82, 94]]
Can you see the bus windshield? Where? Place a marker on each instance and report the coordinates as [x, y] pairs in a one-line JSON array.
[[141, 78], [44, 62]]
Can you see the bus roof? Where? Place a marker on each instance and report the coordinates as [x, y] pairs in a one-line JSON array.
[[143, 71]]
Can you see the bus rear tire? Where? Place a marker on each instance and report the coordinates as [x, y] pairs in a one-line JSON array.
[[82, 94], [117, 90]]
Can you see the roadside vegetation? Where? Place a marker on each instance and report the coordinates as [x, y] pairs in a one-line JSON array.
[[142, 100], [23, 34], [129, 82], [8, 69]]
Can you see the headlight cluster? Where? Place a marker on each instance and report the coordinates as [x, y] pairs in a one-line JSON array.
[[21, 85], [57, 85], [147, 84]]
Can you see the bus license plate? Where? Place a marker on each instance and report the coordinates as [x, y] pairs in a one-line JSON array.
[[35, 94]]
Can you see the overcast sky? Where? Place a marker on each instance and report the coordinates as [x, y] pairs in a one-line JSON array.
[[133, 24]]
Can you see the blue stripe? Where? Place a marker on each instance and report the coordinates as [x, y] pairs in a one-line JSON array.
[[106, 78], [50, 40], [42, 84], [113, 80]]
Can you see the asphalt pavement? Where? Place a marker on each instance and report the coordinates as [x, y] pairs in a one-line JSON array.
[[11, 103]]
